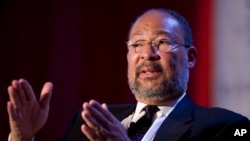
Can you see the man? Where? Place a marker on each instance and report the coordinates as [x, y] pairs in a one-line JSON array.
[[160, 55]]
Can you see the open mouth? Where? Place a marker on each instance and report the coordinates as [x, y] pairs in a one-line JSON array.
[[149, 72]]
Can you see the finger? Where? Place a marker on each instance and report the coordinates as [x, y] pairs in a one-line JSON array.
[[88, 117], [96, 111], [104, 106], [28, 91], [20, 92], [46, 95], [102, 112], [14, 98], [97, 106], [90, 133], [11, 111], [110, 116]]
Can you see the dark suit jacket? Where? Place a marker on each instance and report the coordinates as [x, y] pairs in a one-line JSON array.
[[187, 122]]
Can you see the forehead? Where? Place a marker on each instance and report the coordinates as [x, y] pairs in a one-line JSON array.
[[155, 23]]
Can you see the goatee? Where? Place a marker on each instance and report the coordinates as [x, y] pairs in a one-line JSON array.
[[167, 89]]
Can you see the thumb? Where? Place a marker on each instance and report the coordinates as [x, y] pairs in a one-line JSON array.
[[46, 95]]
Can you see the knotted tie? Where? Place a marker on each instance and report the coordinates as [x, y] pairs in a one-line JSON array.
[[137, 130]]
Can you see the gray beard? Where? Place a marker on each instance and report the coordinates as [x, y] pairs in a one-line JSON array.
[[167, 90]]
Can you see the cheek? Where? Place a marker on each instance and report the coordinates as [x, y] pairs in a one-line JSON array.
[[132, 61], [173, 65]]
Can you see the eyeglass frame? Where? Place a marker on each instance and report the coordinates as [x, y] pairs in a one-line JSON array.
[[155, 44]]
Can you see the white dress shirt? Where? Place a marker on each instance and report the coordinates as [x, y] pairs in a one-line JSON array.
[[160, 116]]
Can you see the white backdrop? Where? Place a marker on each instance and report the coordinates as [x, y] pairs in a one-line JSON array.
[[231, 55]]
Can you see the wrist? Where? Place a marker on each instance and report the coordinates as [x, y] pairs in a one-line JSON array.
[[10, 138]]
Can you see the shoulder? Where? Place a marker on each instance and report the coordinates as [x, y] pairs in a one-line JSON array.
[[219, 123], [209, 113], [212, 119], [219, 120], [217, 113]]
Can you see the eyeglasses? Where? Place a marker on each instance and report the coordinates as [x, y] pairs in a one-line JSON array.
[[161, 45]]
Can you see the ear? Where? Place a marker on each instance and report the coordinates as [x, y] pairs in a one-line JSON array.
[[192, 54]]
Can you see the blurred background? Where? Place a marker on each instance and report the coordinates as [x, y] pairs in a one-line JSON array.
[[79, 45]]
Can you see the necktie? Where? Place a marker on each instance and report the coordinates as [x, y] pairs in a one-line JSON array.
[[137, 130]]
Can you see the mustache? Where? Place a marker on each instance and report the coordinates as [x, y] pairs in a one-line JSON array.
[[157, 67]]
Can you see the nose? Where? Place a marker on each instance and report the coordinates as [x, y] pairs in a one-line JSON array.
[[150, 53]]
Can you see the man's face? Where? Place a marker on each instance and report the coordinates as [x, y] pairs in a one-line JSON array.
[[157, 77]]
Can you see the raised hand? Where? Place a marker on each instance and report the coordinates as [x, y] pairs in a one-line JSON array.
[[27, 115], [101, 125]]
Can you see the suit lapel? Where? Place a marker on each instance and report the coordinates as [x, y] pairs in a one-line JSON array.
[[175, 126]]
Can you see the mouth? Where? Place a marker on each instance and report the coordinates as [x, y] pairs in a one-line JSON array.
[[149, 72]]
